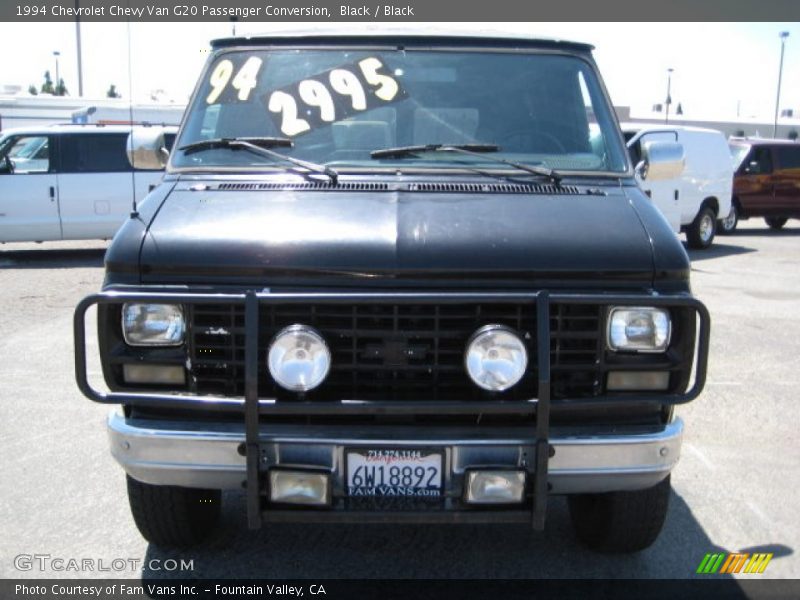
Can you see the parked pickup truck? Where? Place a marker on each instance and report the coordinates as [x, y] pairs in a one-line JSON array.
[[69, 182], [399, 278]]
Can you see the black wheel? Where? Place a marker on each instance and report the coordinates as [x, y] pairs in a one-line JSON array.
[[776, 222], [728, 224], [620, 521], [171, 516], [701, 232]]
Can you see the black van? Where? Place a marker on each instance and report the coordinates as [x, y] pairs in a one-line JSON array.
[[399, 278]]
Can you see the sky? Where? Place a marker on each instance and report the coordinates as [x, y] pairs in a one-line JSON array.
[[720, 70]]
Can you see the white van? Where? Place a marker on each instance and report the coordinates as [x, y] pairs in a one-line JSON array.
[[68, 182], [694, 201]]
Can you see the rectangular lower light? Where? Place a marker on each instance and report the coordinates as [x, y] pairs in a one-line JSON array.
[[309, 488], [495, 487], [154, 374], [627, 381]]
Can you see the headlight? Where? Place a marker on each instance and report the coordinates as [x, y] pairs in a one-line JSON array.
[[298, 358], [153, 324], [639, 329], [496, 358]]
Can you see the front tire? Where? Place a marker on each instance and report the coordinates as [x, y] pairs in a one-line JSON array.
[[776, 223], [701, 232], [620, 521], [728, 224], [173, 517]]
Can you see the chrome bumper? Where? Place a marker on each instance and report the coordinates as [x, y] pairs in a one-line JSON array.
[[209, 455]]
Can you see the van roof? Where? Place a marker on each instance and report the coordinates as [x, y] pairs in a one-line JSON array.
[[637, 127], [761, 141], [74, 128], [403, 37]]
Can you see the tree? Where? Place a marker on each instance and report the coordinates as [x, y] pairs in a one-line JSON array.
[[61, 89], [793, 135], [47, 86], [32, 90], [112, 92]]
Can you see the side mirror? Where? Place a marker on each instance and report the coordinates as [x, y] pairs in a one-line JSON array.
[[661, 160], [147, 148]]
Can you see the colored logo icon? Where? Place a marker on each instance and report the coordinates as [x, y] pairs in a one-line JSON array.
[[722, 563]]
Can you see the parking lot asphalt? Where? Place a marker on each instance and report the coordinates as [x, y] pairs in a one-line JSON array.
[[735, 487]]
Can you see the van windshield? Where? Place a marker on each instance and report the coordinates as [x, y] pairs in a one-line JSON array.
[[338, 106], [738, 154]]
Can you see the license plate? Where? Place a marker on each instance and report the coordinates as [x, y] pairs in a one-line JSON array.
[[392, 473]]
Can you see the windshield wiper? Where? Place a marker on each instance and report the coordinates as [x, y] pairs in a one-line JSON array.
[[261, 146], [469, 150], [262, 142], [402, 151]]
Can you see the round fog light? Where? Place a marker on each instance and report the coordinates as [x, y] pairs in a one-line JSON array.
[[298, 359], [496, 358]]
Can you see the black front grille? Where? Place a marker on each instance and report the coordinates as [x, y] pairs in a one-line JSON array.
[[576, 350], [394, 351]]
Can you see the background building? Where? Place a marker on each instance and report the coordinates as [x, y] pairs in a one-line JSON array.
[[788, 126], [23, 110]]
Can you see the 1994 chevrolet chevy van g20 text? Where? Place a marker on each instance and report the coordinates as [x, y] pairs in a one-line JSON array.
[[404, 278]]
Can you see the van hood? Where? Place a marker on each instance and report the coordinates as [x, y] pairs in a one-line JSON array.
[[345, 238]]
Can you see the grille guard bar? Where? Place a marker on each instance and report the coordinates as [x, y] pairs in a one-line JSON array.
[[253, 407]]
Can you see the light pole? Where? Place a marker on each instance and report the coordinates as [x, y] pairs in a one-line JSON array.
[[669, 98], [78, 44], [783, 35], [56, 53]]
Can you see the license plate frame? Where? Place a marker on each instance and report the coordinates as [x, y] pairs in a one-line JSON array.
[[431, 457]]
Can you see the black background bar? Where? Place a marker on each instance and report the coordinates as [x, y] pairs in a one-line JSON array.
[[709, 587]]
